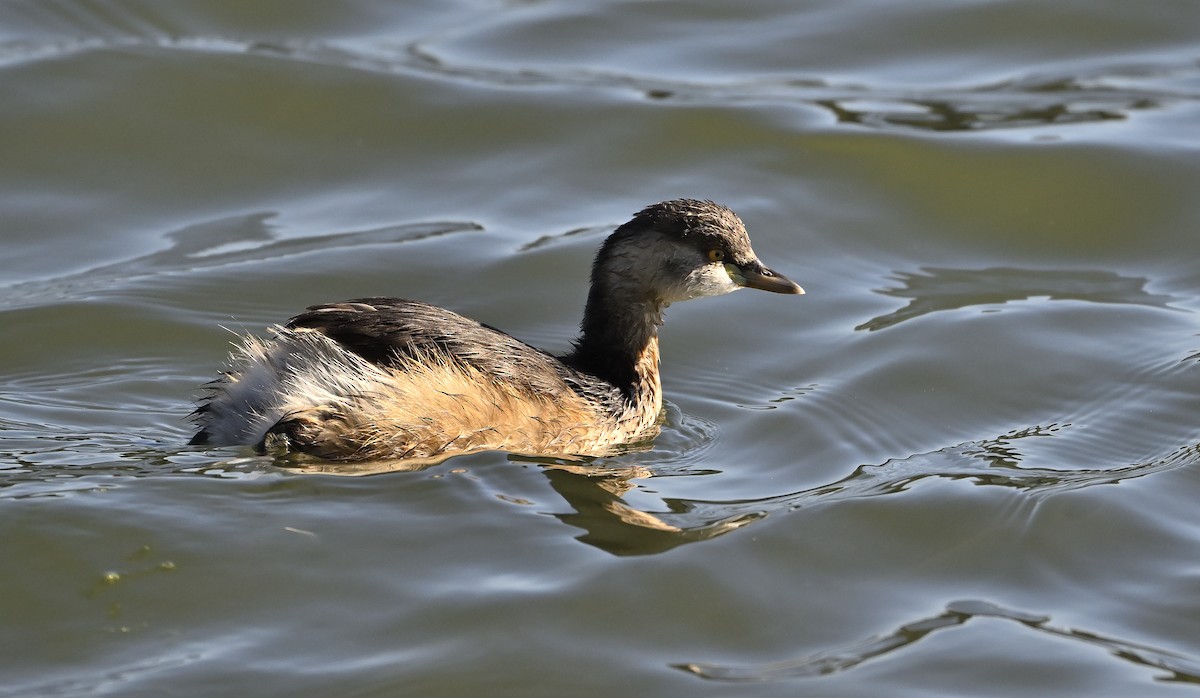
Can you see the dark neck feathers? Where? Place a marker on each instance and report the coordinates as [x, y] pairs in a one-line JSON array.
[[623, 312]]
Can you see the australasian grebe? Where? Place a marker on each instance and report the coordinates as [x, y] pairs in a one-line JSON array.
[[377, 378]]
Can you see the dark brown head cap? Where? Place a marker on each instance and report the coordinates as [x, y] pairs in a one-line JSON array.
[[704, 224]]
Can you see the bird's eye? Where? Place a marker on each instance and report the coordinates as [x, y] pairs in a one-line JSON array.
[[716, 255]]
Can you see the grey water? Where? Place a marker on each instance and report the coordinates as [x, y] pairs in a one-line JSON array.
[[965, 463]]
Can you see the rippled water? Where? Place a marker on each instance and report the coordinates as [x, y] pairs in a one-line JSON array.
[[966, 463]]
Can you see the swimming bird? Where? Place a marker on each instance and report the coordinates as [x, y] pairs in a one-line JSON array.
[[388, 378]]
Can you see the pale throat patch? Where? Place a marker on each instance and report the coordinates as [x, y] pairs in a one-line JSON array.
[[711, 280]]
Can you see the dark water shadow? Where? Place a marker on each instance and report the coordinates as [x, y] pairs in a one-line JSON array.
[[934, 114], [213, 244], [549, 240], [614, 526], [1178, 668], [934, 289]]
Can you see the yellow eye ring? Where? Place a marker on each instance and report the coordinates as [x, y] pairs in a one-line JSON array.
[[716, 255]]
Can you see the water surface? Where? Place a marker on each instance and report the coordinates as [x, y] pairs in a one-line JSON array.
[[966, 463]]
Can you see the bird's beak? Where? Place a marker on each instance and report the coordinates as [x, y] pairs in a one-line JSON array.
[[755, 275]]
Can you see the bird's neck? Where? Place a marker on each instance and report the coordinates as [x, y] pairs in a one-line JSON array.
[[619, 341]]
